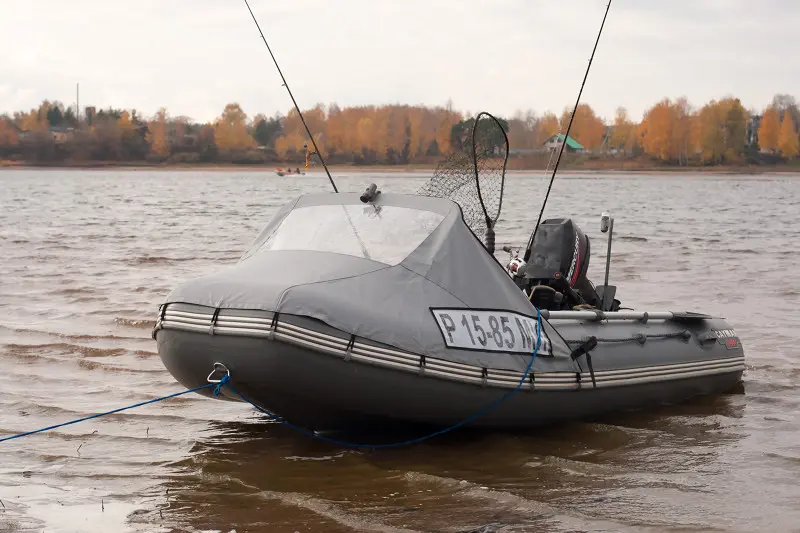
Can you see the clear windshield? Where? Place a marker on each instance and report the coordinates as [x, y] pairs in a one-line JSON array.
[[386, 234]]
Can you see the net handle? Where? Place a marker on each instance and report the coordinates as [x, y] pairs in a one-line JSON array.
[[489, 221]]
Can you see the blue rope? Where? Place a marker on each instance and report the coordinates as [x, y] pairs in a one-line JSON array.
[[418, 439], [108, 412], [225, 381]]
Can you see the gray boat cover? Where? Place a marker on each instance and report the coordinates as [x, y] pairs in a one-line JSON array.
[[404, 270]]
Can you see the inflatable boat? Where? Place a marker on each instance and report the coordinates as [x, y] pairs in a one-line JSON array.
[[351, 310]]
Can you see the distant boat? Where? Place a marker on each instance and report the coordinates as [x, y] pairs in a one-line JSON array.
[[281, 172]]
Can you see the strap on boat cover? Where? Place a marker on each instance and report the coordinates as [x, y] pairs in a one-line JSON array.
[[584, 349]]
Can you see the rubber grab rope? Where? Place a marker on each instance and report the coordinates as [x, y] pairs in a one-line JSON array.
[[225, 382], [640, 337]]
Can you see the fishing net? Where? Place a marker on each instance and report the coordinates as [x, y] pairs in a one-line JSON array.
[[473, 175]]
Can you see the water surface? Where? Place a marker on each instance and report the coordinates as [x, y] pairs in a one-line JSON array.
[[87, 256]]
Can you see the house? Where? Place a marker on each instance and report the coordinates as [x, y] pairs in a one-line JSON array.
[[554, 143], [61, 134]]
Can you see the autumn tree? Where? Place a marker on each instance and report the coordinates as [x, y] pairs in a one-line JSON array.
[[32, 121], [657, 137], [395, 128], [720, 131], [681, 135], [447, 119], [548, 126], [523, 130], [710, 136], [132, 138], [671, 130], [623, 134], [428, 129], [666, 130], [8, 135], [735, 126], [230, 129], [336, 130], [587, 128], [365, 133], [124, 121], [158, 134], [784, 103], [295, 137], [519, 134], [788, 142], [769, 130]]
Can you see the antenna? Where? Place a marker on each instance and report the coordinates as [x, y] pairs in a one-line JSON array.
[[285, 84], [566, 135]]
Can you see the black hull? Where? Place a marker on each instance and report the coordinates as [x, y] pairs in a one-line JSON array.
[[321, 392]]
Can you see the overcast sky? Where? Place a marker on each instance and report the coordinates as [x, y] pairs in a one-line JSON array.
[[194, 56]]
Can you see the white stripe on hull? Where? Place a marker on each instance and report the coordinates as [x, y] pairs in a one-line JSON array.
[[440, 368]]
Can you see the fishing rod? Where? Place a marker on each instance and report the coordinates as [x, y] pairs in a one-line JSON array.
[[566, 136], [285, 84]]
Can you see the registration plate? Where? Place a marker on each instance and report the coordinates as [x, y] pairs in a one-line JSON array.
[[490, 331]]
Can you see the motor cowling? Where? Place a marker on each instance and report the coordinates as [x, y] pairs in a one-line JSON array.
[[560, 252]]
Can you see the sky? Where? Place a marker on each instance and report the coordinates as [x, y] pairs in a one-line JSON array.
[[501, 56]]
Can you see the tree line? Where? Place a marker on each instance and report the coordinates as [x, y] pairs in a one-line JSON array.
[[671, 132]]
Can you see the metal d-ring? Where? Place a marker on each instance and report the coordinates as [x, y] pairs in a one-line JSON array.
[[219, 367]]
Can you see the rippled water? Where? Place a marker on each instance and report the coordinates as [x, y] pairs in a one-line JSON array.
[[87, 256]]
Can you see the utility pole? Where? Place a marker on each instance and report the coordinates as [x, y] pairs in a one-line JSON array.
[[78, 105]]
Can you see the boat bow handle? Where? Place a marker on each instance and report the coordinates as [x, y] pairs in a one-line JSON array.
[[219, 367]]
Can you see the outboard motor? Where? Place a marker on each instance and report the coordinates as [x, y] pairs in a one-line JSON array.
[[557, 264]]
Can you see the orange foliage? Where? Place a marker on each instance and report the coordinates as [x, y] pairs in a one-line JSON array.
[[32, 121], [448, 120], [623, 135], [666, 130], [230, 130], [124, 122], [8, 135], [587, 128], [720, 129], [158, 134], [657, 131], [548, 126], [769, 130], [390, 133], [719, 132], [294, 133]]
